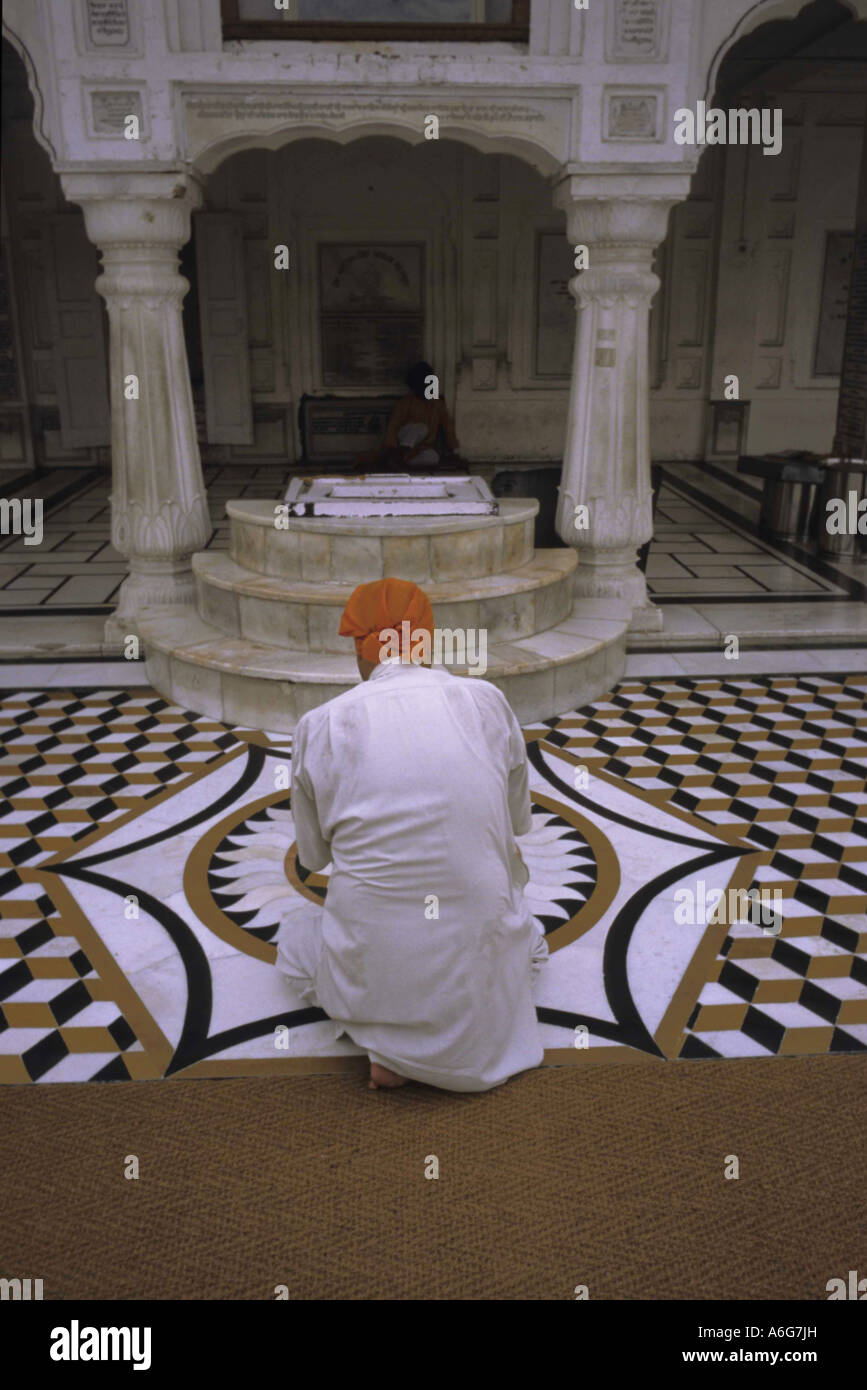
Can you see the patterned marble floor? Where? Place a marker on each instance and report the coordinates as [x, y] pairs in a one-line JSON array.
[[702, 551], [697, 553], [76, 569], [147, 853]]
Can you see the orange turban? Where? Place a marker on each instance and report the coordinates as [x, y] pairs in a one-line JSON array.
[[383, 606]]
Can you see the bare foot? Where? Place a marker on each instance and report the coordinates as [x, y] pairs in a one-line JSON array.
[[382, 1079]]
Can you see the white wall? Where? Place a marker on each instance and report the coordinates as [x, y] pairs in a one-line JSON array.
[[479, 214]]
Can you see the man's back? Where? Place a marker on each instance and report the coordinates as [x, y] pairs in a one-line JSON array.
[[411, 778], [414, 785]]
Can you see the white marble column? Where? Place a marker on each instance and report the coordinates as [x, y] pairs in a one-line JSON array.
[[606, 465], [159, 511]]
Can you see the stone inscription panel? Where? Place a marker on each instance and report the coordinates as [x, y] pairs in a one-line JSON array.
[[632, 115], [212, 117], [371, 351], [636, 31], [371, 306], [107, 23], [9, 387], [363, 278], [109, 110], [831, 333], [555, 307]]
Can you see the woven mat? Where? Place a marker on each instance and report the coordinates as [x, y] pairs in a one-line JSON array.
[[607, 1177]]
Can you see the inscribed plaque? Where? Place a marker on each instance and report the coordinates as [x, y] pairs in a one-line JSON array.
[[636, 32], [209, 117], [109, 110], [107, 23], [372, 316], [9, 385], [555, 307], [370, 277], [369, 350], [632, 117], [839, 249]]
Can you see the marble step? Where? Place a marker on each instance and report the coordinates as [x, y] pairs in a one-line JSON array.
[[353, 551], [246, 683], [305, 616]]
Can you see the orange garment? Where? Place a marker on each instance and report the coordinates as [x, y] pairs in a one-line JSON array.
[[383, 606], [413, 410]]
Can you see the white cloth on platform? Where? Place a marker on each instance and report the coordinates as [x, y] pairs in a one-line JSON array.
[[414, 785]]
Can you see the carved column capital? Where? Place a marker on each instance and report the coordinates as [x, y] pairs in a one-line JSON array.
[[609, 286], [616, 229], [110, 193], [139, 223]]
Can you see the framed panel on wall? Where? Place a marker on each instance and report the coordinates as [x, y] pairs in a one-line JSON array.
[[728, 422], [831, 329], [16, 442], [554, 320], [467, 20], [371, 312]]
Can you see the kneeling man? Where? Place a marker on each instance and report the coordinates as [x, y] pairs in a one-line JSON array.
[[413, 785]]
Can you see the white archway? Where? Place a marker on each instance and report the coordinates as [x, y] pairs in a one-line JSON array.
[[39, 121], [530, 151]]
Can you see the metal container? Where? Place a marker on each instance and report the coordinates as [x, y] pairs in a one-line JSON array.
[[787, 508], [844, 489], [791, 483]]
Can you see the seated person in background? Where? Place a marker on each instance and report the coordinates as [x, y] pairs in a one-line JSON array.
[[413, 785], [419, 433]]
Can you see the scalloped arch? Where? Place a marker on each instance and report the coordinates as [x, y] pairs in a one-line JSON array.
[[763, 12], [209, 158], [35, 91]]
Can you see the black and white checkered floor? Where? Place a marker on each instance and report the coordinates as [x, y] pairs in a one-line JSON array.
[[148, 854]]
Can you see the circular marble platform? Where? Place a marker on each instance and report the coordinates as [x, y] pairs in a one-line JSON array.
[[352, 551], [306, 615], [261, 647]]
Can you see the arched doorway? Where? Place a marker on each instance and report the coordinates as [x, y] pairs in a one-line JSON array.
[[330, 266], [789, 29], [756, 263]]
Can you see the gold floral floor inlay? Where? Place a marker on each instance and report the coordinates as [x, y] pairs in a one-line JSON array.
[[148, 854]]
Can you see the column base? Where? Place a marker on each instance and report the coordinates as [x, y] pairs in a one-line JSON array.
[[115, 631], [614, 575], [164, 584], [648, 618]]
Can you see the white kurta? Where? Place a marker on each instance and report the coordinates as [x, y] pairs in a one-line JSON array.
[[414, 785]]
